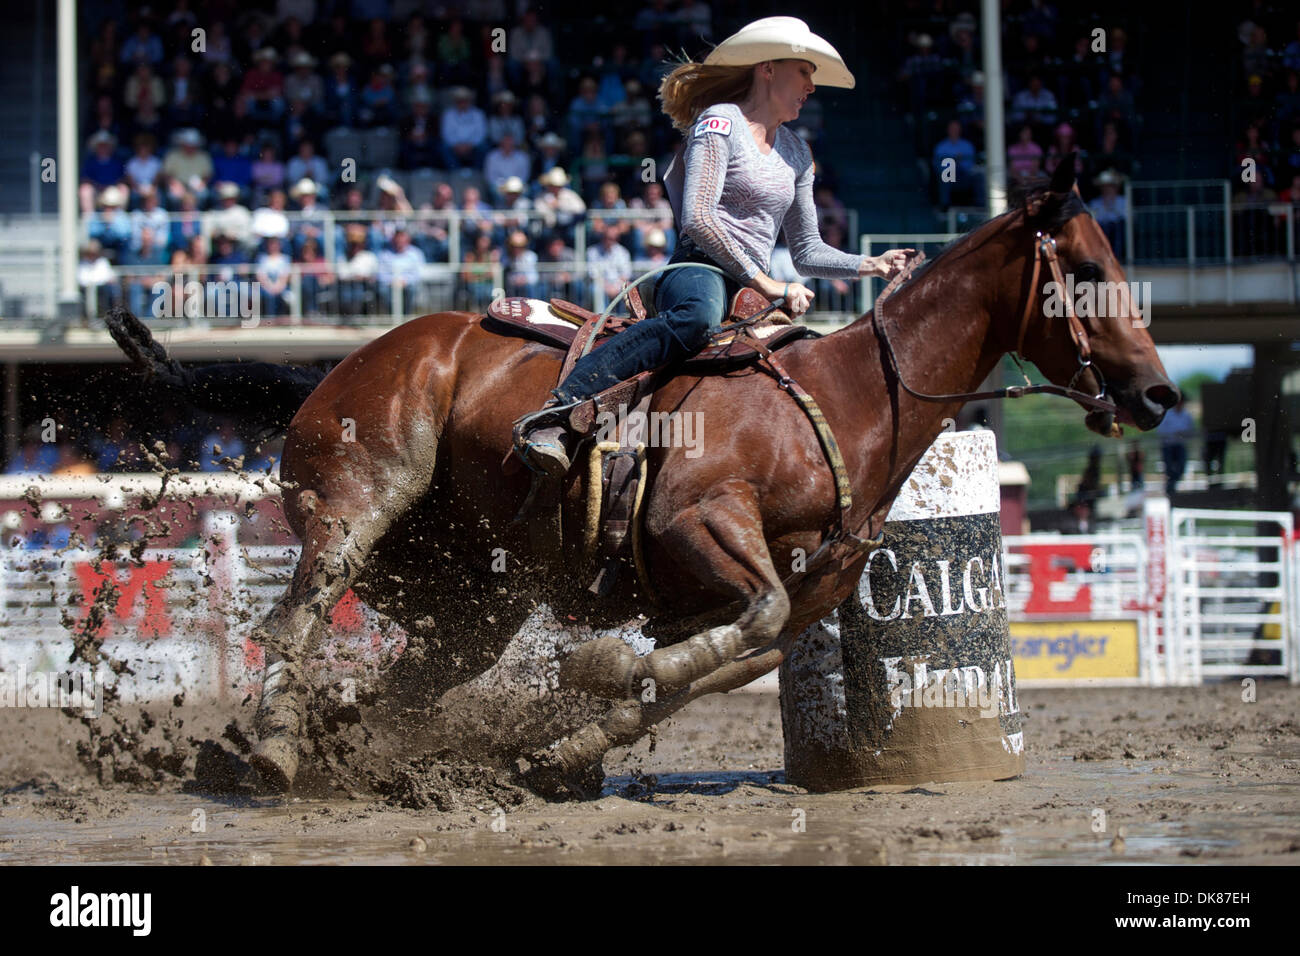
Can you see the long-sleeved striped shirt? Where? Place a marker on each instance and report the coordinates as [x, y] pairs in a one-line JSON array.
[[736, 200]]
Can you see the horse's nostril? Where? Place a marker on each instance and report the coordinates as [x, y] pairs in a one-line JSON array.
[[1164, 396]]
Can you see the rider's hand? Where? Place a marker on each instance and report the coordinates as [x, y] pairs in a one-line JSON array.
[[798, 297], [886, 265]]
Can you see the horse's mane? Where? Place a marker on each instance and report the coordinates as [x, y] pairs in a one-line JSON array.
[[1053, 217]]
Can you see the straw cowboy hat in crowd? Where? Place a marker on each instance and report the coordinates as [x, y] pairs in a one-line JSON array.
[[555, 176], [783, 38]]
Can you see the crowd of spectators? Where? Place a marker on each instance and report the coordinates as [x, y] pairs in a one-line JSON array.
[[1265, 170], [1067, 89], [210, 445], [209, 126]]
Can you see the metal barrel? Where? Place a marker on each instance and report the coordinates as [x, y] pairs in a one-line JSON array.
[[910, 680]]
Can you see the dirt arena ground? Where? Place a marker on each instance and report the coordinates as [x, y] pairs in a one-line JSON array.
[[1182, 776]]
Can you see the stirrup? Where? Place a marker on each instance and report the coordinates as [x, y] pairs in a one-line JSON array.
[[549, 415], [549, 455]]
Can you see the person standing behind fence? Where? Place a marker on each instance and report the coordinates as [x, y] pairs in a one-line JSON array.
[[1084, 504], [1136, 460], [1174, 431], [358, 270]]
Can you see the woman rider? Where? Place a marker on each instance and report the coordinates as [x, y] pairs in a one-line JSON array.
[[747, 176]]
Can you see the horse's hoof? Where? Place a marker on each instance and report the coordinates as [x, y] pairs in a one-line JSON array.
[[276, 762], [588, 783], [547, 778], [603, 668]]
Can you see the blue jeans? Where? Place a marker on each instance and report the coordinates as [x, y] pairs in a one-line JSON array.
[[691, 302]]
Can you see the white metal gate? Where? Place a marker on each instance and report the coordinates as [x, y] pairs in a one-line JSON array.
[[1232, 593]]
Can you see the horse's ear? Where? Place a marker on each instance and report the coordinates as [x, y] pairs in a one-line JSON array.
[[1063, 176]]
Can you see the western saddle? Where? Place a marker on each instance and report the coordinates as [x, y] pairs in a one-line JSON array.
[[616, 462]]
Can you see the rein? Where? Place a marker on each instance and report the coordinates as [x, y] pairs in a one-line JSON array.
[[1044, 248], [844, 545]]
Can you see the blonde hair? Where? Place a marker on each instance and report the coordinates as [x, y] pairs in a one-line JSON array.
[[692, 87]]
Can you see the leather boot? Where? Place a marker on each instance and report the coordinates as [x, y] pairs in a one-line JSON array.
[[542, 438], [547, 448]]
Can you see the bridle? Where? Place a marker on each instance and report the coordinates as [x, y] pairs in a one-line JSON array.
[[1044, 250]]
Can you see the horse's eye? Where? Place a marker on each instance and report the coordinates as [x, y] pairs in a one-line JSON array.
[[1087, 272]]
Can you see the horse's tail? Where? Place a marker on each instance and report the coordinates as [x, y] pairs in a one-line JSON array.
[[263, 394]]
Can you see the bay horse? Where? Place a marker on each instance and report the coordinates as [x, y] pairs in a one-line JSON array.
[[396, 485]]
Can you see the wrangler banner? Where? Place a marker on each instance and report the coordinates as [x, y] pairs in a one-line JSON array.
[[1082, 651]]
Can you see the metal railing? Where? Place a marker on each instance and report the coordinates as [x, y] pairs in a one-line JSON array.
[[447, 279], [454, 229], [29, 278], [237, 295], [1195, 222]]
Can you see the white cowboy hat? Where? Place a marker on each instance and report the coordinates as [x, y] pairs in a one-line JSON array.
[[783, 38], [555, 176]]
